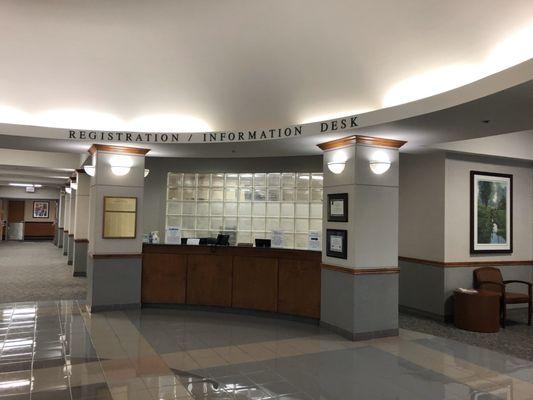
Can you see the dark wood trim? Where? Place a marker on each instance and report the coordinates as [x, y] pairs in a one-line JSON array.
[[71, 235], [80, 171], [359, 139], [458, 264], [362, 271], [65, 231], [81, 240], [109, 256], [290, 254], [117, 149], [73, 179]]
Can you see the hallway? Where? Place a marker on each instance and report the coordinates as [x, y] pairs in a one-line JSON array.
[[33, 271]]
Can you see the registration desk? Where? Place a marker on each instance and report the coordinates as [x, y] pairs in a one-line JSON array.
[[281, 281]]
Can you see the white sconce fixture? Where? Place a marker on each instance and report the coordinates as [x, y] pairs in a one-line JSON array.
[[380, 163], [146, 172], [336, 166], [121, 165], [68, 190], [89, 170], [74, 185]]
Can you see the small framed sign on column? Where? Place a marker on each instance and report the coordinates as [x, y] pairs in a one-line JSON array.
[[337, 243], [120, 217], [338, 207]]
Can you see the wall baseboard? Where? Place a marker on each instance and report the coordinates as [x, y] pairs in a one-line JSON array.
[[359, 336]]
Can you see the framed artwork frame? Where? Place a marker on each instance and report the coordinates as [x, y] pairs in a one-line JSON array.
[[337, 207], [41, 209], [337, 243], [120, 218], [491, 213]]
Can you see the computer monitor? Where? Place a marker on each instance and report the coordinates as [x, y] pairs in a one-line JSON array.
[[222, 240], [262, 242]]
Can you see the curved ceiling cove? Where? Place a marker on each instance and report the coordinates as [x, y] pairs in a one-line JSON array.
[[169, 66]]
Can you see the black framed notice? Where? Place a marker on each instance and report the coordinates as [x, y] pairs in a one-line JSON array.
[[338, 207], [337, 243], [491, 213]]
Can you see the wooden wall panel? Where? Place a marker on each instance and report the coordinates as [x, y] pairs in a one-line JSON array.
[[38, 229], [15, 211], [164, 278], [299, 288], [209, 280], [255, 283], [275, 280]]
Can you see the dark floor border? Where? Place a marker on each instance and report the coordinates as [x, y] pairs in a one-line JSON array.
[[112, 307], [425, 314], [358, 336], [79, 274], [237, 311]]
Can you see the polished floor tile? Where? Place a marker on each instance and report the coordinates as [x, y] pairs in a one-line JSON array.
[[56, 350]]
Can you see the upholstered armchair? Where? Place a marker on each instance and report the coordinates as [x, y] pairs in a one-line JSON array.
[[490, 279]]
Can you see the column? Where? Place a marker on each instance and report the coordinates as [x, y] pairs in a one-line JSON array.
[[81, 223], [114, 261], [66, 221], [60, 219], [72, 216], [359, 296]]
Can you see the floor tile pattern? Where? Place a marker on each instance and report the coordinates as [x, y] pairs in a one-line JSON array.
[[57, 350]]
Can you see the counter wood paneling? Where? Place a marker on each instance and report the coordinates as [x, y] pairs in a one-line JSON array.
[[274, 280]]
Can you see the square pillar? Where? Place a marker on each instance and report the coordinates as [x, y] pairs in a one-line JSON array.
[[66, 222], [81, 224], [359, 297], [72, 216], [60, 219], [114, 265]]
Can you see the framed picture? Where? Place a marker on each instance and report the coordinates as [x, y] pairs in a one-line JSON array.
[[337, 243], [120, 218], [41, 209], [491, 213], [338, 207]]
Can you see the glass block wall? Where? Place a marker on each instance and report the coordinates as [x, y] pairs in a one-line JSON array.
[[246, 206]]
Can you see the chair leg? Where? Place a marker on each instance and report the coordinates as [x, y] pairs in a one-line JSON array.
[[504, 314], [529, 309]]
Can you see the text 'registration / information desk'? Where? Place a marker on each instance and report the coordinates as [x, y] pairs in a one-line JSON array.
[[281, 281]]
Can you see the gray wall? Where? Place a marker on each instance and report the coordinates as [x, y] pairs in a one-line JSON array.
[[155, 183], [421, 226], [457, 208], [435, 226]]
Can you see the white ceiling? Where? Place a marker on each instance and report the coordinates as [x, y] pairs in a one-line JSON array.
[[218, 65]]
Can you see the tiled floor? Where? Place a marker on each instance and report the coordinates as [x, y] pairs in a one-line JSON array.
[[55, 350]]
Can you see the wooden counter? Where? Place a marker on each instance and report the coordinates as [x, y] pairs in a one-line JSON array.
[[274, 280]]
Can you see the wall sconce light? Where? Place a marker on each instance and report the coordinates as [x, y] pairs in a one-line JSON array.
[[121, 165], [68, 190], [146, 172], [89, 170], [380, 163], [336, 166], [74, 185]]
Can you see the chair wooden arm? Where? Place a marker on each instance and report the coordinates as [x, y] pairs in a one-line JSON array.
[[515, 281]]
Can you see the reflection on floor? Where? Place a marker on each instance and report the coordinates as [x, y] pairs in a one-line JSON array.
[[55, 350], [31, 271]]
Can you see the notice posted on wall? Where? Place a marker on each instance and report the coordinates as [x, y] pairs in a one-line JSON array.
[[314, 240], [276, 239], [173, 235]]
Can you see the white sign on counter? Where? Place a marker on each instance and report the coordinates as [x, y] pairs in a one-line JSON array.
[[173, 235]]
